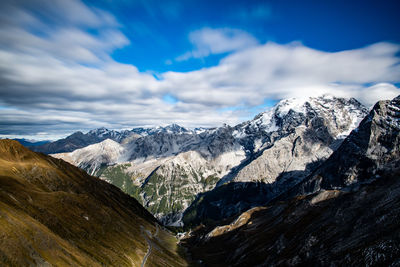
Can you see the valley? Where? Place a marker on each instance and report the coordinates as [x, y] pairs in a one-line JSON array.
[[301, 184], [176, 133], [169, 169]]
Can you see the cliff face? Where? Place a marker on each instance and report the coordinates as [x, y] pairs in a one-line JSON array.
[[370, 150], [345, 213], [305, 133]]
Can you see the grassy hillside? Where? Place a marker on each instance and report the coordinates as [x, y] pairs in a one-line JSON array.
[[52, 212]]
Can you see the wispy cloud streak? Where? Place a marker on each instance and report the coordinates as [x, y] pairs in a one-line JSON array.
[[57, 74]]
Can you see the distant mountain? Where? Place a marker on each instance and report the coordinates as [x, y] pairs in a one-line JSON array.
[[78, 140], [93, 157], [52, 213], [168, 169], [30, 143], [346, 213]]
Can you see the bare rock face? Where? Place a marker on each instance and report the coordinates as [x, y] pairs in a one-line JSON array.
[[304, 131], [284, 145], [291, 153], [370, 150], [166, 169], [346, 213], [91, 158]]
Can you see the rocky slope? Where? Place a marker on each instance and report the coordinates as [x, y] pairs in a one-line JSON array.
[[166, 168], [373, 148], [289, 142], [93, 157], [345, 213], [306, 131], [330, 228], [52, 213]]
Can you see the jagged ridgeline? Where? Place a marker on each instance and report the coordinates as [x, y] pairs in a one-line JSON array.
[[172, 171], [55, 214], [345, 213]]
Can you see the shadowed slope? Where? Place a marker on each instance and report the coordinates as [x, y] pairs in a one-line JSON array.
[[330, 228], [346, 213]]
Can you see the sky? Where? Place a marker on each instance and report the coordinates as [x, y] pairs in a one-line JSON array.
[[78, 65]]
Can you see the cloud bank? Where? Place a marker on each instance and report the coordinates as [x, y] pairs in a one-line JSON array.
[[57, 75]]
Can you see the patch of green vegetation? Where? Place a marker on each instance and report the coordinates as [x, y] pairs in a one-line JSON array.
[[157, 195], [102, 168], [210, 180], [118, 176], [163, 204], [162, 190], [156, 192]]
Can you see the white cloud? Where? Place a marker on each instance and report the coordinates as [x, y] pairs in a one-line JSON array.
[[381, 91], [208, 41], [61, 79], [280, 71]]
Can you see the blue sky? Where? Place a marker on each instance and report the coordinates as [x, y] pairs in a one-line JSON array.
[[77, 65], [159, 30]]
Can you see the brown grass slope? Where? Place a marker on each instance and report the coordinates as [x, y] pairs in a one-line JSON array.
[[52, 212]]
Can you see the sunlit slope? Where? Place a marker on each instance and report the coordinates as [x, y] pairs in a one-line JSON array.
[[52, 212]]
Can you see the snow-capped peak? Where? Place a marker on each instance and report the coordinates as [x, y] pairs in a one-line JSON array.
[[175, 128], [294, 104], [341, 113], [99, 131]]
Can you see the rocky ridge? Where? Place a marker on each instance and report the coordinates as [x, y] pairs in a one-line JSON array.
[[166, 168], [344, 213], [370, 150]]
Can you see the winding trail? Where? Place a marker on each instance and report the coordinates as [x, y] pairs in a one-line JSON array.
[[147, 235]]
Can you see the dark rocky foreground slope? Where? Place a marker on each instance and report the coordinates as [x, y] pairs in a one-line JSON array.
[[346, 213], [54, 213], [330, 228]]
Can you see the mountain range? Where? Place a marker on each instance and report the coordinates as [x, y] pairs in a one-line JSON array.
[[310, 182], [168, 169], [31, 143]]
